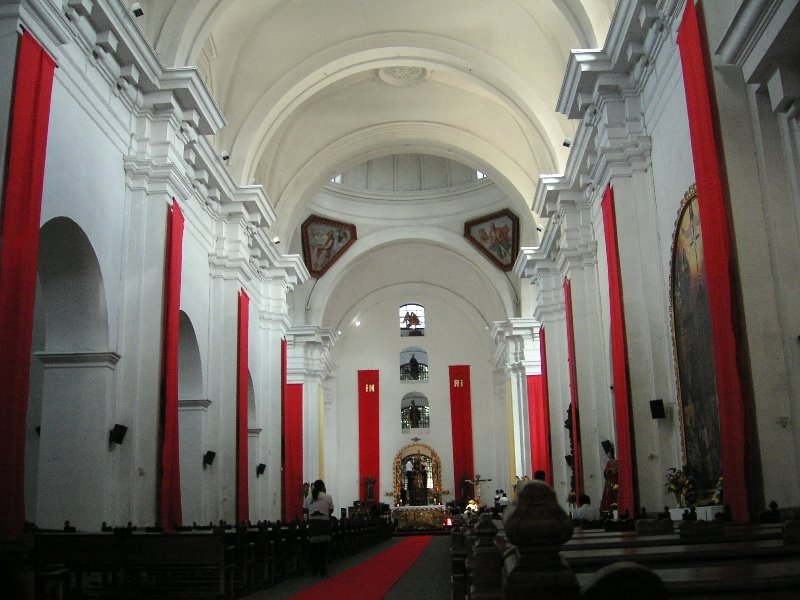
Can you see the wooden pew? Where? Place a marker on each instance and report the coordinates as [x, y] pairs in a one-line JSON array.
[[190, 565], [678, 555], [778, 579], [89, 563]]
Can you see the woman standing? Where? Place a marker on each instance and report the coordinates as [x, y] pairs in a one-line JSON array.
[[318, 507]]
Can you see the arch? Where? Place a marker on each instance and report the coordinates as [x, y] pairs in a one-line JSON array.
[[483, 74], [190, 368], [192, 423], [435, 491], [505, 295], [75, 381], [72, 287], [516, 182]]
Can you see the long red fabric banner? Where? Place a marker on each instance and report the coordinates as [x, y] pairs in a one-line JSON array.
[[543, 458], [537, 425], [19, 255], [461, 423], [369, 466], [242, 498], [713, 206], [619, 360], [169, 501], [293, 452], [577, 462]]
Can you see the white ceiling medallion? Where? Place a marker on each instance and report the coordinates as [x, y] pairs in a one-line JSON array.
[[403, 76]]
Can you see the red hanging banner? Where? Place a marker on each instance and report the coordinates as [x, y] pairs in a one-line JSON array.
[[242, 492], [368, 430], [577, 462], [714, 215], [619, 358], [539, 416], [293, 452], [169, 497], [461, 423], [19, 256]]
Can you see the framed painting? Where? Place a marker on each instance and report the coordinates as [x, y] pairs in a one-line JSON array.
[[496, 236], [324, 242], [693, 352]]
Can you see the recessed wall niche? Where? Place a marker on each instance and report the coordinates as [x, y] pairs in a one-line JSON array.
[[412, 320], [415, 413], [413, 364]]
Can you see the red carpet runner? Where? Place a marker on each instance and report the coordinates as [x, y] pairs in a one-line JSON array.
[[373, 578]]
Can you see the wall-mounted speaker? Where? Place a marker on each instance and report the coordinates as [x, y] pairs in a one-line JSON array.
[[208, 458], [607, 446], [117, 434], [657, 410], [260, 468]]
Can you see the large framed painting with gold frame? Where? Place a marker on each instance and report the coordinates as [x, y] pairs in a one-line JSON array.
[[693, 351]]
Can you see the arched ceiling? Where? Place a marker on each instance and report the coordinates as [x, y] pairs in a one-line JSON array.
[[310, 88]]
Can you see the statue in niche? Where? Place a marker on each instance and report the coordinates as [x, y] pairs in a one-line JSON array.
[[413, 367], [414, 414]]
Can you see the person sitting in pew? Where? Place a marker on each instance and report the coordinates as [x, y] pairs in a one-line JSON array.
[[585, 510]]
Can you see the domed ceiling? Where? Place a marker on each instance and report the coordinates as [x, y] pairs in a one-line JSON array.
[[312, 89]]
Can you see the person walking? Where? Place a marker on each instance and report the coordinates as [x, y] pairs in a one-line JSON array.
[[318, 507]]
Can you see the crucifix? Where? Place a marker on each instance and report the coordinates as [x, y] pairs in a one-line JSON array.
[[477, 483]]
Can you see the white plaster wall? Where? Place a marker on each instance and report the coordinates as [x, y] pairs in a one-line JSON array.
[[84, 181], [451, 338], [673, 172]]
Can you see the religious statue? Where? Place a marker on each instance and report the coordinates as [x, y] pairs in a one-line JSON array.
[[611, 477], [413, 366], [477, 484], [411, 320], [369, 482], [413, 410]]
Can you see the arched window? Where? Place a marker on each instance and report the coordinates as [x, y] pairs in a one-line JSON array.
[[413, 364], [412, 320], [414, 411]]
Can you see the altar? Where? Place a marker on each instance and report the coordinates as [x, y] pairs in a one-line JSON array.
[[419, 517]]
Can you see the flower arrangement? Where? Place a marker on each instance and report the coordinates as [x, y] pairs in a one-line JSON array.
[[681, 483], [716, 497]]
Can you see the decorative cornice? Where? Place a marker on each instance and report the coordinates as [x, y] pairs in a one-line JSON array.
[[309, 352], [42, 20], [748, 39], [199, 404], [78, 359]]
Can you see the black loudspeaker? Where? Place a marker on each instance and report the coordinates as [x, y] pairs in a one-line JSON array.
[[208, 458], [260, 468], [569, 460], [117, 434], [657, 409], [607, 446]]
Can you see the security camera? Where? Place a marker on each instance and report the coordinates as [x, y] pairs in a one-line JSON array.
[[137, 9], [567, 143], [225, 155], [276, 240]]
